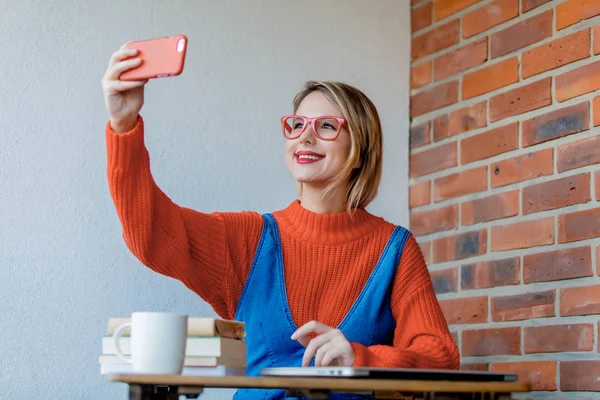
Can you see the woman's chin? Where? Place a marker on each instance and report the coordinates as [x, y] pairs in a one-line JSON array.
[[313, 183]]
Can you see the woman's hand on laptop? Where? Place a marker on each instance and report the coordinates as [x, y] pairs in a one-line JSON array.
[[330, 347]]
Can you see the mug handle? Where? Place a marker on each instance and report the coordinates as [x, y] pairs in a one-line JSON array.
[[117, 341]]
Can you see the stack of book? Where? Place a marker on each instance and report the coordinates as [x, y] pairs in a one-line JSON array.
[[214, 347]]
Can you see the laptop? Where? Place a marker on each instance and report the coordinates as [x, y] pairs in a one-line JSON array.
[[389, 373]]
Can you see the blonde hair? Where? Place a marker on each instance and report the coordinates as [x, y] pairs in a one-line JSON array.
[[362, 172]]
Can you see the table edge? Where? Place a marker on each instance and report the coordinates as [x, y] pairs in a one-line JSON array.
[[325, 383]]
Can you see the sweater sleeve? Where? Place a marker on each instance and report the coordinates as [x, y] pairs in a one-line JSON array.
[[211, 254], [421, 338]]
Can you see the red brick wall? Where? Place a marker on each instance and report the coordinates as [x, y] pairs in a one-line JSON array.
[[505, 181]]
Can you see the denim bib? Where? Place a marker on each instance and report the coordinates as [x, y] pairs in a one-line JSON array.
[[263, 307]]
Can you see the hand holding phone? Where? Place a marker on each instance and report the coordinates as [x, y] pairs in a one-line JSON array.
[[160, 57], [130, 68]]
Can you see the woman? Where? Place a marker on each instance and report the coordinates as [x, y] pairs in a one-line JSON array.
[[321, 282]]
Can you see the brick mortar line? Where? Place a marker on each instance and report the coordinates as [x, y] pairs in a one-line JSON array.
[[431, 192], [460, 20], [553, 73], [489, 306], [459, 214], [458, 153], [488, 233], [522, 289], [431, 78], [588, 23], [501, 255], [499, 189], [520, 196], [459, 278], [430, 253], [457, 15], [501, 222], [488, 171], [506, 220], [496, 60], [505, 189], [556, 102], [556, 243], [510, 289], [594, 258], [554, 31], [521, 269], [431, 138], [551, 395], [460, 14], [420, 3], [488, 114], [504, 121], [581, 25], [519, 66], [520, 10], [488, 33], [549, 356], [512, 253], [592, 40], [591, 105], [511, 221], [551, 144], [595, 331], [531, 323], [557, 373], [554, 153], [475, 132], [459, 341], [558, 356], [509, 188], [569, 355], [521, 334]]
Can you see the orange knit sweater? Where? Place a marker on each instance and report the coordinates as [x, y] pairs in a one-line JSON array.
[[328, 259]]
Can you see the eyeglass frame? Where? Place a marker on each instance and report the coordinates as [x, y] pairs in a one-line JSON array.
[[312, 120]]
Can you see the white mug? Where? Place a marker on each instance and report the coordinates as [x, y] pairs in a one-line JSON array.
[[158, 341]]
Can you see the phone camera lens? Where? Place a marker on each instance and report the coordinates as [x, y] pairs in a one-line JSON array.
[[180, 45]]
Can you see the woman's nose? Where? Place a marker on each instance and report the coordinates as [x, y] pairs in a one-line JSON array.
[[308, 135]]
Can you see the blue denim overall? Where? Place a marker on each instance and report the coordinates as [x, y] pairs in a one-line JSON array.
[[263, 306]]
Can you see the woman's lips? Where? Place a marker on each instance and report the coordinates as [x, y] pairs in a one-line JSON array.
[[308, 157]]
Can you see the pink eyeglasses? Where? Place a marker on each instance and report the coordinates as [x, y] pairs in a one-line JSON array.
[[325, 127]]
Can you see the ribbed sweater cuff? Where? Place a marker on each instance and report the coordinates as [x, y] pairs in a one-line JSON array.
[[125, 149], [362, 355]]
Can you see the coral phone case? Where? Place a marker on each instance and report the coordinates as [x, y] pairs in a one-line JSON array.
[[161, 57]]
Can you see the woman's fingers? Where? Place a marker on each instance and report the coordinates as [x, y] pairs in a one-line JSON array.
[[121, 54], [113, 73], [122, 86]]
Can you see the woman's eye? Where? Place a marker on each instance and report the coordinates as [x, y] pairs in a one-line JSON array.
[[328, 126], [298, 125]]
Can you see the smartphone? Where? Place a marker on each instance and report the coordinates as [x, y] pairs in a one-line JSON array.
[[161, 57]]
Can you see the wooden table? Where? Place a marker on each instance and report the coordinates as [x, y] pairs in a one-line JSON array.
[[169, 387]]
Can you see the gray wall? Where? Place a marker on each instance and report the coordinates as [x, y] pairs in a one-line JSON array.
[[214, 139]]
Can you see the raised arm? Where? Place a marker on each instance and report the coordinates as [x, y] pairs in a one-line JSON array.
[[210, 253]]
